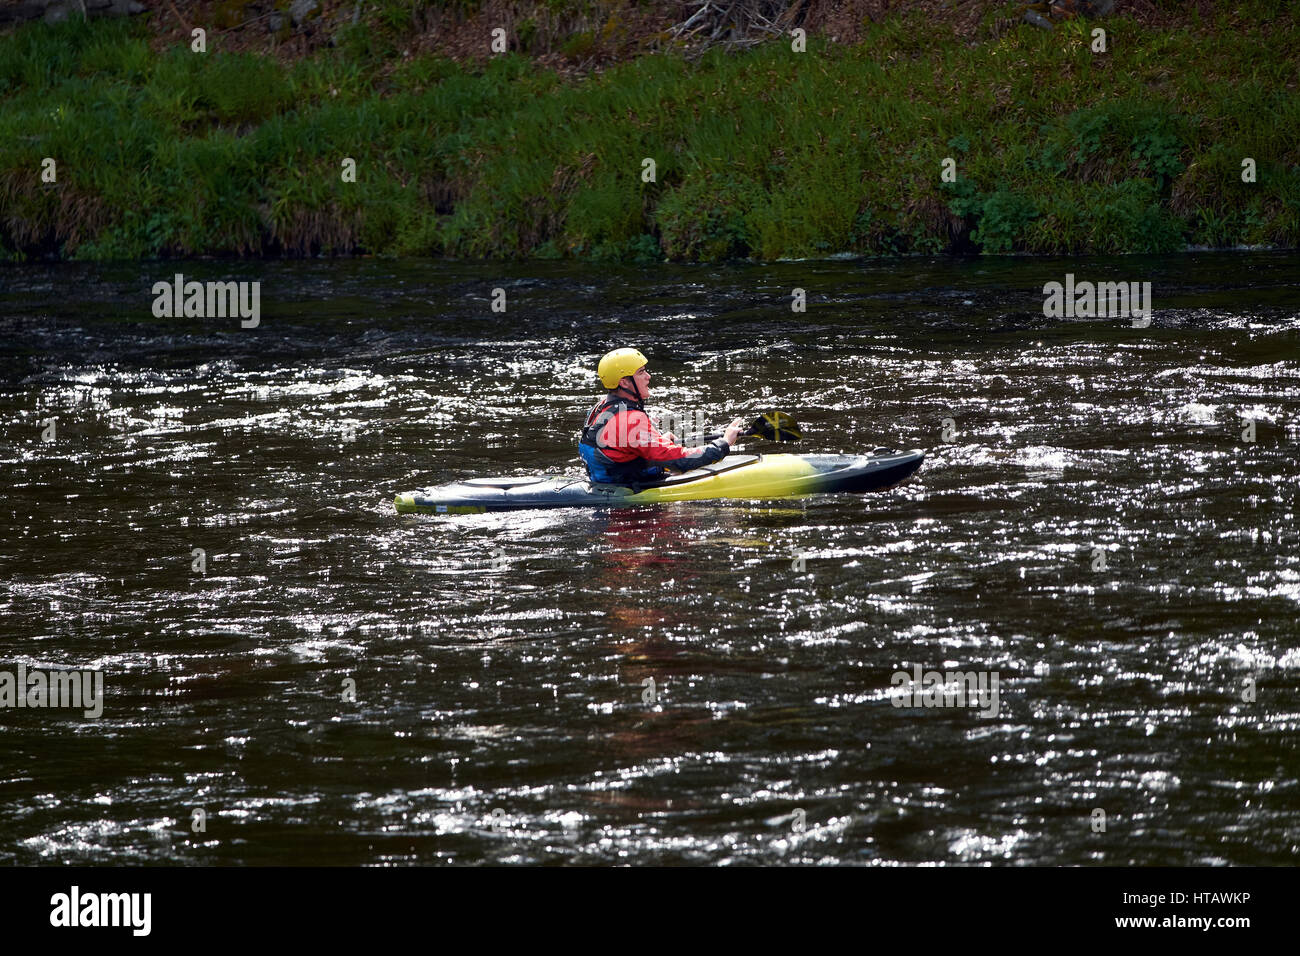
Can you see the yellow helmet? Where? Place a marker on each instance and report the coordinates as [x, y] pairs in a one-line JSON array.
[[618, 363]]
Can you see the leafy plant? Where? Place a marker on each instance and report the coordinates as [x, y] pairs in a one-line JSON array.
[[1003, 218]]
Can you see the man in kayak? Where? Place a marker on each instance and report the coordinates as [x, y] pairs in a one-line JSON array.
[[621, 446]]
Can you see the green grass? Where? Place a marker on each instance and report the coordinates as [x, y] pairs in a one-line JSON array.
[[766, 154]]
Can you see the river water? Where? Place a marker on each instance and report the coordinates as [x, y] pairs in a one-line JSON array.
[[210, 524]]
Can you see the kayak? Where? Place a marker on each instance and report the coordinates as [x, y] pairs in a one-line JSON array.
[[752, 477]]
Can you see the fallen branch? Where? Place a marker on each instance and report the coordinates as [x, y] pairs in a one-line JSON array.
[[188, 29]]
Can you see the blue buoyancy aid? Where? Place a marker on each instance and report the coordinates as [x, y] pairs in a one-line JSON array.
[[600, 467]]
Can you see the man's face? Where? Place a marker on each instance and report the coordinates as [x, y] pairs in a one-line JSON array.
[[642, 379]]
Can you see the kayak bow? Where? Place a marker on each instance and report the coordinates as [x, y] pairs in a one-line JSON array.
[[735, 477]]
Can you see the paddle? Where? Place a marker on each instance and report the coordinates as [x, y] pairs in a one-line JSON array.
[[771, 426]]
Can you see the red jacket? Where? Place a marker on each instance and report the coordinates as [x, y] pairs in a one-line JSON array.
[[620, 443]]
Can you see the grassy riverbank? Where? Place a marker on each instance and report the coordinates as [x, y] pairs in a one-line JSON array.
[[764, 153]]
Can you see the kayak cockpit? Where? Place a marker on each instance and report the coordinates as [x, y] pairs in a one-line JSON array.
[[729, 463]]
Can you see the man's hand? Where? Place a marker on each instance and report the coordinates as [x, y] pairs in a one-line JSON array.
[[733, 431]]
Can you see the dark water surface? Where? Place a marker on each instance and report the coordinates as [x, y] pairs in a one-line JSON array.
[[501, 661]]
